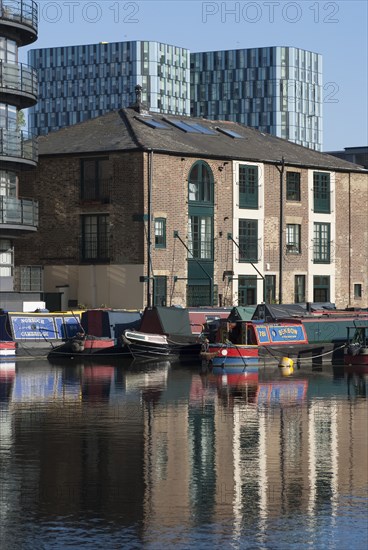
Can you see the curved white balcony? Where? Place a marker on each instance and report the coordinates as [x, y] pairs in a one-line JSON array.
[[18, 84], [18, 215], [18, 147], [19, 20]]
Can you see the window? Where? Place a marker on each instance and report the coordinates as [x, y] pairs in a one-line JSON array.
[[159, 290], [30, 278], [292, 238], [321, 288], [95, 242], [248, 240], [248, 186], [6, 258], [299, 289], [247, 290], [292, 186], [95, 179], [200, 237], [321, 248], [270, 289], [8, 184], [357, 290], [321, 192], [200, 184], [160, 233], [199, 295]]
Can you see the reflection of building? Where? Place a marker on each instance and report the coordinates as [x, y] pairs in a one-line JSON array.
[[201, 200], [18, 149], [275, 89], [249, 463]]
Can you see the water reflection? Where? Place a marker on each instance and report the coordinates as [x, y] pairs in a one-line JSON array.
[[147, 455]]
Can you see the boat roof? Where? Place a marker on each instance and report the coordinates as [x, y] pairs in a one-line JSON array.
[[166, 320]]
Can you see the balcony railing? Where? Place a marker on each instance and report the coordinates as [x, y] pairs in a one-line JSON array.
[[18, 211], [18, 77], [96, 190], [18, 144], [24, 12]]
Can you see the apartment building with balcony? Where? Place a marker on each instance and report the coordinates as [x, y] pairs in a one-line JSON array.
[[277, 90], [142, 208], [18, 149]]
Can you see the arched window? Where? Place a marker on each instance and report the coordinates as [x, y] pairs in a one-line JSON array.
[[200, 183]]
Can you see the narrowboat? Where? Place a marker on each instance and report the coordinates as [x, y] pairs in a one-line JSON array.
[[356, 349], [314, 333]]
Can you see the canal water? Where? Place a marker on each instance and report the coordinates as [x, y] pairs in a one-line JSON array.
[[165, 456]]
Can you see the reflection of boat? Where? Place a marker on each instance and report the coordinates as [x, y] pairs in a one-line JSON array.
[[356, 349], [286, 393]]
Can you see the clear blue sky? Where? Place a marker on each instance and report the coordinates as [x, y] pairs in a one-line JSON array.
[[337, 30]]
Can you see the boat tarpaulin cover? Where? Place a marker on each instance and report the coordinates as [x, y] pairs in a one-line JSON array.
[[166, 320]]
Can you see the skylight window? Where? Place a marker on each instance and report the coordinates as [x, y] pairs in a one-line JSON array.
[[201, 129], [229, 133], [183, 126], [152, 123]]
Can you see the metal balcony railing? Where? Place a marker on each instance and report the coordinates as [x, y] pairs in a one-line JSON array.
[[18, 144], [18, 211], [19, 77], [96, 189], [20, 11]]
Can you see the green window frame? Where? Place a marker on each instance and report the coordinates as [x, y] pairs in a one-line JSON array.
[[247, 290], [293, 186], [322, 243], [322, 192], [299, 289], [200, 184], [270, 289], [200, 241], [248, 240], [321, 288], [159, 290], [357, 290], [293, 238], [160, 232], [95, 237], [248, 186]]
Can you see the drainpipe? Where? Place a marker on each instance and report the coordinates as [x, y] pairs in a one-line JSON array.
[[281, 240], [349, 228], [149, 228]]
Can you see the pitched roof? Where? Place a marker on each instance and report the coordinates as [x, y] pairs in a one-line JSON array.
[[128, 129]]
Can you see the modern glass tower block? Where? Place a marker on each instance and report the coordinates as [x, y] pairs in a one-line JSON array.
[[77, 83], [277, 90]]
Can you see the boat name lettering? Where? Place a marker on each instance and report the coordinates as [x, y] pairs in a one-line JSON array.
[[262, 332], [288, 330]]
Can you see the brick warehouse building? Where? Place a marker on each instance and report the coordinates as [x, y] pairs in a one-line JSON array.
[[203, 200]]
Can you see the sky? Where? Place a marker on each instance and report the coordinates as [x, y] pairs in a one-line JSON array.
[[336, 30]]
